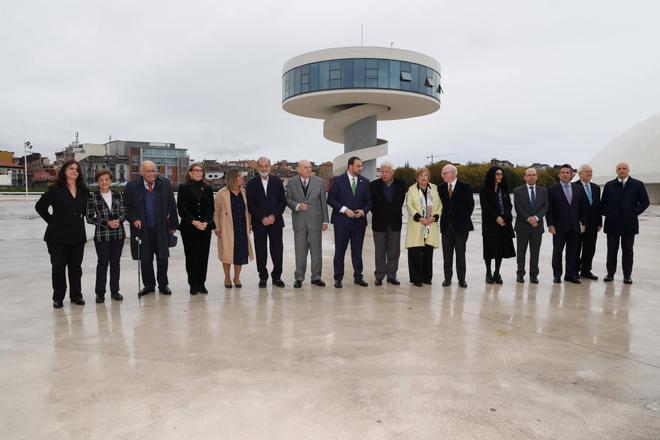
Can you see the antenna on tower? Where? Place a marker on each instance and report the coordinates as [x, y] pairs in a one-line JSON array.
[[392, 44], [77, 143]]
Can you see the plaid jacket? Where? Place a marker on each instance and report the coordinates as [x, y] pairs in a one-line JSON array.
[[98, 214]]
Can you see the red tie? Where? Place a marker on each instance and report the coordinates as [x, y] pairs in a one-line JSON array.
[[150, 187]]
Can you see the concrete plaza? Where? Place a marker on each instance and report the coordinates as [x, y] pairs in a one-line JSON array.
[[516, 361]]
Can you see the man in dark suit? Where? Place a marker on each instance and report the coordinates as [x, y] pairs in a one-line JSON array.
[[350, 199], [567, 218], [624, 199], [586, 244], [455, 222], [387, 195], [152, 213], [266, 202], [531, 204]]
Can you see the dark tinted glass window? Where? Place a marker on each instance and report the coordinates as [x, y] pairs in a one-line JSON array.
[[358, 73], [314, 77], [383, 74], [324, 75], [347, 74], [395, 71]]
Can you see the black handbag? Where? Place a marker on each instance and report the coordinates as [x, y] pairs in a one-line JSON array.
[[172, 240]]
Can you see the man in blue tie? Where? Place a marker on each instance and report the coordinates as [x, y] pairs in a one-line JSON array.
[[586, 245], [350, 199], [567, 219]]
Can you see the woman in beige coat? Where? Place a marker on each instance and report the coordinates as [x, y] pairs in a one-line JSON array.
[[422, 236], [233, 227]]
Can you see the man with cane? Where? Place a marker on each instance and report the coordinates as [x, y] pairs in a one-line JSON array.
[[151, 212]]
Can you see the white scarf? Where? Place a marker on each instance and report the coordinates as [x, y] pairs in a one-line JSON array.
[[427, 206]]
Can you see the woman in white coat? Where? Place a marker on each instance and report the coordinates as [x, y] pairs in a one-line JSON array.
[[422, 236]]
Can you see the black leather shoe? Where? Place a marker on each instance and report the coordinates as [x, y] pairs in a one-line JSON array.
[[278, 283], [117, 297], [238, 285], [297, 284], [534, 280], [462, 284], [262, 284], [78, 301], [378, 282], [589, 276], [572, 280], [498, 278], [418, 284], [446, 283], [193, 290], [58, 304], [100, 299], [165, 290], [521, 279], [608, 278], [490, 279], [627, 280], [202, 289], [145, 291], [318, 282], [394, 281], [361, 283], [556, 280], [338, 285]]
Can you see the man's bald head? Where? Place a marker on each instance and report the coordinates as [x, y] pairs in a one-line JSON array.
[[148, 171], [622, 170], [304, 168]]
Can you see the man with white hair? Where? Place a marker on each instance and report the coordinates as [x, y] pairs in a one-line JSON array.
[[387, 195], [624, 199], [455, 222], [586, 245], [152, 214], [266, 203]]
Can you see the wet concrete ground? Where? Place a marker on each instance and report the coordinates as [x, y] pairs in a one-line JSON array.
[[514, 361]]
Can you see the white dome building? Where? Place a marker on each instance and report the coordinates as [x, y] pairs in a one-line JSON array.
[[640, 148]]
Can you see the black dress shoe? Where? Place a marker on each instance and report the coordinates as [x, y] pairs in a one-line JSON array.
[[627, 280], [498, 279], [145, 291], [78, 301], [228, 286], [202, 289], [100, 299], [193, 290], [608, 278], [521, 279], [534, 280], [297, 284], [462, 284], [418, 284], [556, 280], [572, 280], [446, 283], [394, 281], [238, 285], [338, 285], [117, 297], [318, 282], [378, 282], [490, 279], [361, 283], [589, 276], [165, 290], [58, 304], [262, 284], [278, 283]]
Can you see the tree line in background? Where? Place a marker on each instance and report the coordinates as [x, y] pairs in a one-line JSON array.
[[474, 173]]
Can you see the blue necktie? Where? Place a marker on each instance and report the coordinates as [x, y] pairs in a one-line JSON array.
[[533, 200], [587, 189]]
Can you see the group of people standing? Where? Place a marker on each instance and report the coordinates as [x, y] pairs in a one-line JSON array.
[[437, 215]]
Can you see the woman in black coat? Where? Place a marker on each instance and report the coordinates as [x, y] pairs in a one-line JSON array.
[[196, 205], [65, 233], [105, 210], [496, 222]]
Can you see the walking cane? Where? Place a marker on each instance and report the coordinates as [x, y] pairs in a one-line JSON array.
[[139, 267]]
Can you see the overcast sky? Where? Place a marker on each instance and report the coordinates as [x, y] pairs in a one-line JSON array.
[[550, 81]]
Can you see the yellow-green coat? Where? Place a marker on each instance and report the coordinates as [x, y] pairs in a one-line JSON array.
[[415, 231]]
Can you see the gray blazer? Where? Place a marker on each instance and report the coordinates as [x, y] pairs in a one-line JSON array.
[[523, 207], [317, 211]]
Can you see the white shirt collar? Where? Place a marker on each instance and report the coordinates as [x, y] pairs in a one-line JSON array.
[[146, 185], [350, 176], [584, 183], [453, 183], [624, 180]]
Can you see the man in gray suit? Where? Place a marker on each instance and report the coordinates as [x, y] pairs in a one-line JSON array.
[[305, 195], [531, 204]]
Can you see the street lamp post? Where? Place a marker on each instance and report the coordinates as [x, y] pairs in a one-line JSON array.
[[27, 146]]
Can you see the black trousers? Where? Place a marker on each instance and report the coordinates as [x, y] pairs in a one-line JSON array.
[[196, 245], [453, 242], [108, 252], [627, 242], [561, 240], [65, 257], [420, 264], [147, 263], [262, 238], [586, 249]]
